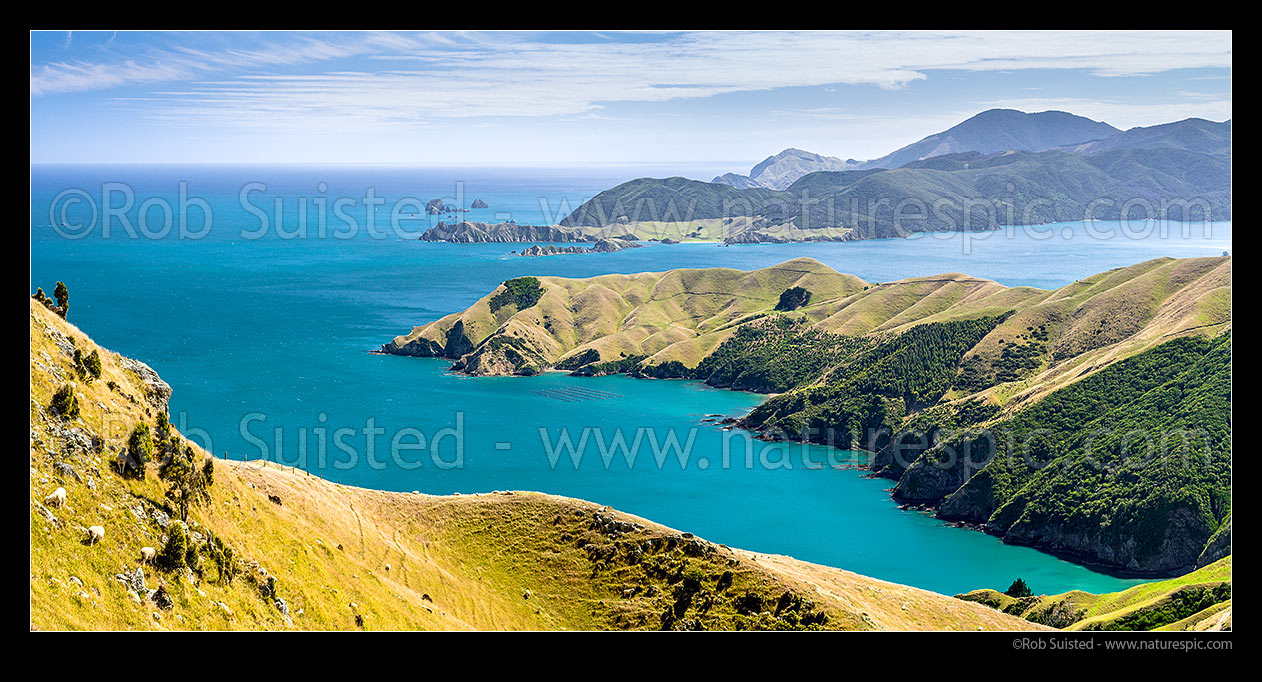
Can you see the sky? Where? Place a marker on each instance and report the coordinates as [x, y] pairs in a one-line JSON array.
[[576, 98]]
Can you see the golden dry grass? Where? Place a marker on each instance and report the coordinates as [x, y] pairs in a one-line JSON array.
[[396, 561]]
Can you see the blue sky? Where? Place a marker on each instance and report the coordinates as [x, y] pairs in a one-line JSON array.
[[573, 98]]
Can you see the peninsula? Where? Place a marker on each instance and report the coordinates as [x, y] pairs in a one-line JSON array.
[[910, 370]]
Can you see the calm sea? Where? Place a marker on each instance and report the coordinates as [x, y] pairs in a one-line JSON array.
[[264, 333]]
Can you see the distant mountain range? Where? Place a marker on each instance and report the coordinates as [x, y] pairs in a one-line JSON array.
[[998, 168], [997, 130], [1192, 135]]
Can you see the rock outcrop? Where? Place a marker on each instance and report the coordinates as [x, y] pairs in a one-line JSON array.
[[551, 250], [781, 170], [1219, 545], [468, 232], [157, 391], [611, 245]]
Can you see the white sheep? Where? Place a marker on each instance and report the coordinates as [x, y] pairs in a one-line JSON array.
[[147, 555], [95, 534], [56, 499]]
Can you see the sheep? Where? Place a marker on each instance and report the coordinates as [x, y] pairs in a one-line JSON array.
[[147, 555], [95, 534], [56, 499]]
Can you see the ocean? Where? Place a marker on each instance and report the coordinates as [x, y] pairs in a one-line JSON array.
[[264, 331]]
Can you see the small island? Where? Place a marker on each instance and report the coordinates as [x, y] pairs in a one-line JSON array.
[[470, 232], [601, 246]]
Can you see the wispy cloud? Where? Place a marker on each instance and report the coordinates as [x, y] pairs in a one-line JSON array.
[[181, 63], [424, 77]]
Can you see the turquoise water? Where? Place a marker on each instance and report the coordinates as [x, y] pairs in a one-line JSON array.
[[262, 334]]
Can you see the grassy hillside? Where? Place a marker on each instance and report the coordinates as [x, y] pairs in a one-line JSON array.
[[275, 548], [1047, 339], [1200, 600], [904, 369], [679, 315]]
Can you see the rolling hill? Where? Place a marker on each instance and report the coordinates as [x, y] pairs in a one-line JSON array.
[[1199, 601], [264, 547], [869, 366]]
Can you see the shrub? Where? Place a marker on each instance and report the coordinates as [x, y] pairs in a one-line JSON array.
[[139, 451], [62, 294], [693, 579], [163, 429], [793, 298], [1019, 589], [88, 367], [227, 565], [187, 477], [174, 554], [93, 364], [65, 403], [48, 302], [749, 604], [522, 292]]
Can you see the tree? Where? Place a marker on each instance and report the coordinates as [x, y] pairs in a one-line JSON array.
[[93, 364], [174, 554], [163, 430], [139, 451], [65, 403], [188, 478], [62, 294], [88, 367], [793, 298], [1019, 589]]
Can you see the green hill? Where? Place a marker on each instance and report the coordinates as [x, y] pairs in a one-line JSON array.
[[1200, 600], [1193, 134], [968, 191], [909, 370]]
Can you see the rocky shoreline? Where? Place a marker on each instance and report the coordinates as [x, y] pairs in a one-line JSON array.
[[601, 246], [470, 232]]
